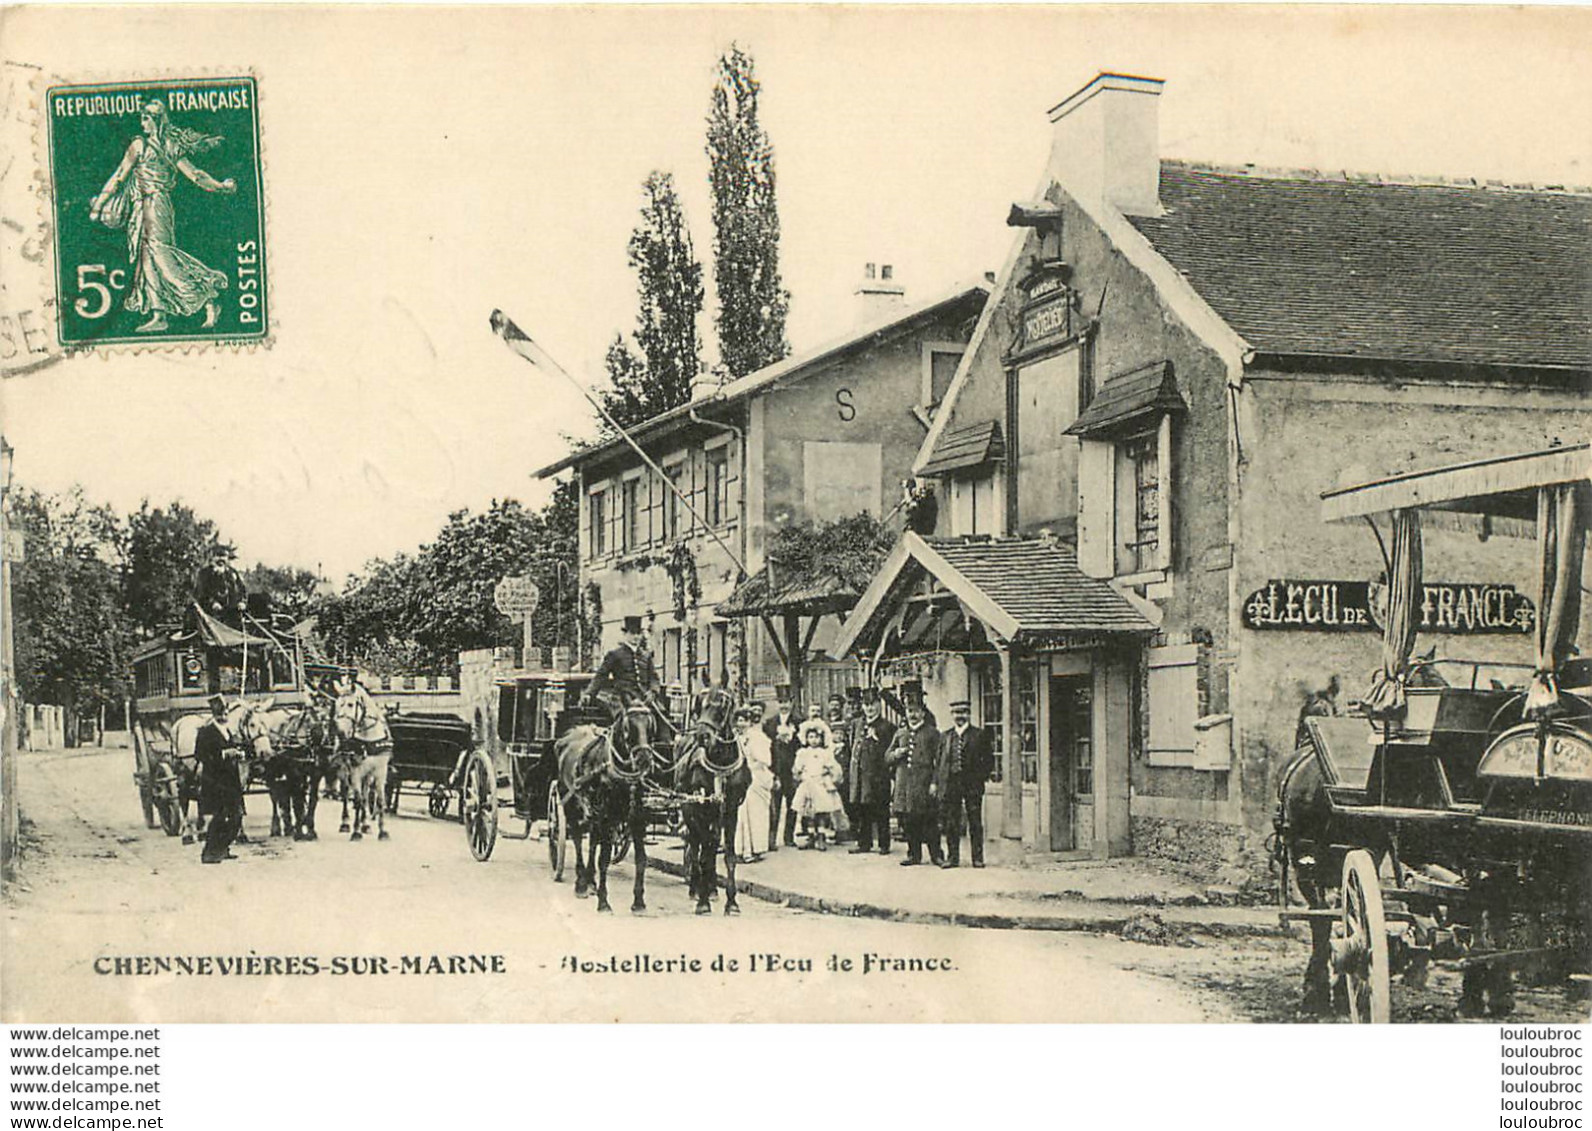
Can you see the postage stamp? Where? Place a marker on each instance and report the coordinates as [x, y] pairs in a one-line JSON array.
[[159, 212]]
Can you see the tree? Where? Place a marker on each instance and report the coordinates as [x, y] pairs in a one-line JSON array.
[[752, 301], [163, 551], [417, 612], [669, 290], [291, 589], [72, 637]]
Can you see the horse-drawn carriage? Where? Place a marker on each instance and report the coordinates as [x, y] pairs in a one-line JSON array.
[[430, 749], [176, 675], [604, 784], [1451, 821]]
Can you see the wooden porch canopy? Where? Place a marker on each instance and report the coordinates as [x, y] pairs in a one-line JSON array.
[[781, 604], [1001, 595]]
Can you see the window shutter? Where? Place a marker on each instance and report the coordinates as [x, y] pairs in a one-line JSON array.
[[1096, 508], [1163, 469]]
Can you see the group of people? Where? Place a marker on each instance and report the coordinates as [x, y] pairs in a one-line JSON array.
[[844, 774]]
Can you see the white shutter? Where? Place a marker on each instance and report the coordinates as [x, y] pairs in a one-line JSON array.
[[1163, 473], [1096, 508]]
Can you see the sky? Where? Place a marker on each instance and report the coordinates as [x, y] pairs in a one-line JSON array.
[[425, 166]]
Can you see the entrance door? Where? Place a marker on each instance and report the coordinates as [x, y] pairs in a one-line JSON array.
[[1071, 759]]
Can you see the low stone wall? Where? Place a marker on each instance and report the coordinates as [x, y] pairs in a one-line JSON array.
[[1232, 858]]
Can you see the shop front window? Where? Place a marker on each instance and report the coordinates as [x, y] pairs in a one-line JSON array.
[[990, 708]]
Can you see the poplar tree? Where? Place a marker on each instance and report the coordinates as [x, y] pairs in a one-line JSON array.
[[752, 301], [670, 297]]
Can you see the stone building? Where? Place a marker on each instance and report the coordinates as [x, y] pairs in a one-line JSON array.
[[824, 434], [1176, 362]]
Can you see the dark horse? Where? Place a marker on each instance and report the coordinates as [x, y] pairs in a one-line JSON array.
[[290, 749], [710, 762], [601, 775]]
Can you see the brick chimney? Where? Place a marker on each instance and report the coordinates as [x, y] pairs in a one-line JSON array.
[[1106, 143], [878, 293]]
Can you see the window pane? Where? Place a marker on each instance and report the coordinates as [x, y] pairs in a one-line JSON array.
[[599, 527]]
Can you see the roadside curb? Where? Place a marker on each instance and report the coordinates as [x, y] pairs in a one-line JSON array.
[[1086, 917]]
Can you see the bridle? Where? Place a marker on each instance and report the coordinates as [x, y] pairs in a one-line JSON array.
[[626, 761]]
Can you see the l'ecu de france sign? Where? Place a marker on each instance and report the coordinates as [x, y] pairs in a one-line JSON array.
[[516, 597], [1359, 606]]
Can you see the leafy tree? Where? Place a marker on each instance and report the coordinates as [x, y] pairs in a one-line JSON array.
[[752, 301], [162, 553], [72, 638], [417, 612], [669, 289], [292, 589]]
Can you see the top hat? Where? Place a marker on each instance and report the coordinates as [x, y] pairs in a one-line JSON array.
[[631, 624], [218, 701], [911, 689], [782, 692]]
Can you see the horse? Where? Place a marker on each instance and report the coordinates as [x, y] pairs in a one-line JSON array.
[[601, 774], [364, 750], [289, 750], [709, 762]]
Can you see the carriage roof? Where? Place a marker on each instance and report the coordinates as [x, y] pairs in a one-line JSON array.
[[1500, 487]]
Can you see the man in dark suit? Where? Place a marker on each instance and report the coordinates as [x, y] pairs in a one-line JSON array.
[[967, 756], [220, 788], [916, 756], [869, 787], [780, 727], [626, 674]]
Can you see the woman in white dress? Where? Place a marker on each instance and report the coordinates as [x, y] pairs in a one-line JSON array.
[[751, 830]]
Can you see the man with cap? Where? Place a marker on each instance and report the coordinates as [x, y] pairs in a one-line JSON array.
[[872, 735], [781, 727], [220, 590], [967, 755], [626, 675], [916, 758], [220, 788]]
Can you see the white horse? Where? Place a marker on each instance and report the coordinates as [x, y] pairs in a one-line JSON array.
[[185, 762], [365, 743]]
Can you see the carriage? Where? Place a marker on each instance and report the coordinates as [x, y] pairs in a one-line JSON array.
[[1450, 819], [533, 710], [175, 675], [431, 750]]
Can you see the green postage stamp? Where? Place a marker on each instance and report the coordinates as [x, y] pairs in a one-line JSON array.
[[159, 212]]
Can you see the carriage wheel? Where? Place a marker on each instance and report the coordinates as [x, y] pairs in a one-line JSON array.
[[167, 798], [146, 801], [621, 845], [557, 834], [478, 806], [437, 803], [1360, 956]]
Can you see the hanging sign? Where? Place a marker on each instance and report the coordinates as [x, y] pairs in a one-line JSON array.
[[1360, 606]]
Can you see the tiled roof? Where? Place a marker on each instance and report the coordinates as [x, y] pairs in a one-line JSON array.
[[1123, 400], [972, 446], [799, 596], [1038, 584], [1302, 265]]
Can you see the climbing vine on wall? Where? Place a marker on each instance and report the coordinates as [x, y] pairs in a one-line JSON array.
[[591, 623], [680, 564], [848, 550]]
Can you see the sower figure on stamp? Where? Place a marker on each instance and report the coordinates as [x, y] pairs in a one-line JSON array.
[[916, 757], [869, 787], [220, 788], [166, 281], [626, 675], [780, 727], [967, 756]]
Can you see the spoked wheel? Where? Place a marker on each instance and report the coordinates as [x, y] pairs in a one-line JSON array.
[[557, 834], [478, 806], [437, 802], [621, 845], [146, 801], [167, 798], [395, 787], [1360, 954]]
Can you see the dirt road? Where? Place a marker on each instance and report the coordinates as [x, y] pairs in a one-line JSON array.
[[116, 922]]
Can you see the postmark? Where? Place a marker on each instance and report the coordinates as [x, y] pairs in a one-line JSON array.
[[159, 211]]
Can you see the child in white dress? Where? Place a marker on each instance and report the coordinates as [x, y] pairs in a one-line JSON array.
[[818, 785]]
